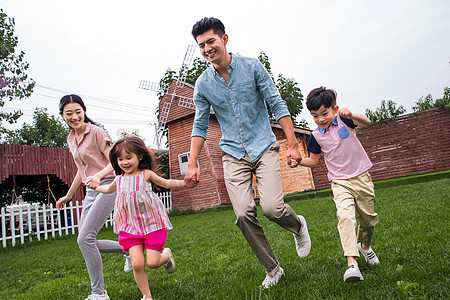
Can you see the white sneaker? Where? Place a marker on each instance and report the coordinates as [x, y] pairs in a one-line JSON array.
[[352, 274], [128, 267], [98, 297], [272, 280], [302, 240], [370, 256], [170, 264]]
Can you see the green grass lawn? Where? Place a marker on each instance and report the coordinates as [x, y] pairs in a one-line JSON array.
[[215, 262]]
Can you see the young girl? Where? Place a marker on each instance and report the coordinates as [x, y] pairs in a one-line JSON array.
[[90, 146], [139, 215]]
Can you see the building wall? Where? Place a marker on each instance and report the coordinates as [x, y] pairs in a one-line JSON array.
[[410, 144], [210, 191], [294, 179], [177, 111]]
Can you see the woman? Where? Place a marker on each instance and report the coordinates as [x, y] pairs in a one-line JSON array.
[[90, 146]]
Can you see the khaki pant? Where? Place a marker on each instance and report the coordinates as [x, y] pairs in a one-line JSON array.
[[238, 179], [350, 194]]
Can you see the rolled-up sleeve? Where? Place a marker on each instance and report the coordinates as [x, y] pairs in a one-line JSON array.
[[202, 112], [270, 93]]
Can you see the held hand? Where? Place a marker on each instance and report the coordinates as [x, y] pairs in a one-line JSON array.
[[92, 182], [192, 177], [345, 112], [293, 157], [62, 201], [186, 185]]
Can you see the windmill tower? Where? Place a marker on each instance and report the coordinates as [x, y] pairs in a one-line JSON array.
[[183, 101]]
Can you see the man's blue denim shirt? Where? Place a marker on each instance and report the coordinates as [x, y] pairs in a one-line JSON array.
[[239, 107]]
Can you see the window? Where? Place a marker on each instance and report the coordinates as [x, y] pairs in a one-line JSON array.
[[183, 159]]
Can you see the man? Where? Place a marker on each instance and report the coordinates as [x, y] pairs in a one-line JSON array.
[[236, 88]]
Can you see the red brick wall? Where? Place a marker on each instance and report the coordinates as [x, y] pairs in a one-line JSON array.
[[210, 191], [177, 111], [294, 179], [410, 144]]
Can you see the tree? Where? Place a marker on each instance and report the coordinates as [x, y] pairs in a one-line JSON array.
[[164, 84], [388, 110], [14, 82], [264, 59], [289, 91], [165, 81], [121, 133], [46, 130], [198, 66], [427, 102]]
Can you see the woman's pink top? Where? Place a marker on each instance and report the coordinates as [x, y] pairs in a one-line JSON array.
[[138, 210], [88, 153]]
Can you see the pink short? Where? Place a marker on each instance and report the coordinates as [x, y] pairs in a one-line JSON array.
[[154, 240]]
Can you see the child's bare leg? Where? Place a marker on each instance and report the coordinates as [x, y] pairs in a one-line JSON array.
[[140, 275], [156, 259], [351, 260]]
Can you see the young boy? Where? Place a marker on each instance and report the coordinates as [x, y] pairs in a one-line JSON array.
[[347, 164]]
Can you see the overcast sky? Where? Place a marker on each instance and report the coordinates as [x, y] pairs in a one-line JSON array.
[[367, 51]]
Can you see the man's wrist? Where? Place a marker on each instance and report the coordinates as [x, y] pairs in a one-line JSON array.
[[293, 145], [191, 165]]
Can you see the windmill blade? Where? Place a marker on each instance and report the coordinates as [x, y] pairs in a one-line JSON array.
[[186, 102], [183, 101], [149, 85], [187, 61]]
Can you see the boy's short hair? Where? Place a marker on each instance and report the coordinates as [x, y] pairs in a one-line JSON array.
[[206, 24], [321, 96]]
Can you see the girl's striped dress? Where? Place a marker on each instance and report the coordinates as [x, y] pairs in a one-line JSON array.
[[138, 210]]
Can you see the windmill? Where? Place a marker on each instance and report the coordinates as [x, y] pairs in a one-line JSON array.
[[186, 102]]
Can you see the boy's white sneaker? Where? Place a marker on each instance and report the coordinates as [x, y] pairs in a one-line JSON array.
[[170, 264], [98, 297], [272, 280], [370, 256], [302, 239], [352, 274], [128, 267]]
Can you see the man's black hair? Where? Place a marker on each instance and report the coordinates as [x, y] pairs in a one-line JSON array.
[[206, 24]]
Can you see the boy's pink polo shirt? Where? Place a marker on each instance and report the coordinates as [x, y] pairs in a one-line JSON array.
[[343, 153], [88, 154]]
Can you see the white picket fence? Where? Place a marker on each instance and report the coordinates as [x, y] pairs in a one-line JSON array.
[[34, 221]]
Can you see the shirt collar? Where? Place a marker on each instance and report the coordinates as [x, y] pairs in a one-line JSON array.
[[231, 65], [322, 130], [71, 136]]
